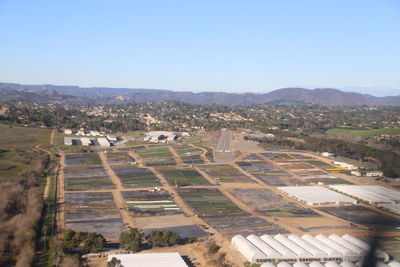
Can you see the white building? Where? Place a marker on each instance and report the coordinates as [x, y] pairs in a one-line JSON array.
[[172, 137], [67, 131], [81, 132], [374, 174], [94, 133], [372, 194], [85, 141], [355, 173], [345, 165], [170, 259], [327, 154], [103, 142], [112, 138], [68, 141], [280, 249], [316, 195]]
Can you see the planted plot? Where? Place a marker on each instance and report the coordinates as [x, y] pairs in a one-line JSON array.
[[156, 156], [132, 176], [274, 156], [82, 159], [300, 156], [119, 158], [365, 216], [82, 178], [325, 166], [225, 173], [131, 148], [189, 154], [223, 215], [271, 204], [330, 181], [182, 176], [252, 157], [269, 174], [146, 202], [93, 212]]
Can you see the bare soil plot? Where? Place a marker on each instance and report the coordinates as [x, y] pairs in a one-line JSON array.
[[178, 223], [270, 204], [182, 176], [82, 159], [220, 213], [156, 155], [364, 216], [319, 224], [225, 173], [119, 158], [132, 176], [93, 212], [83, 178], [269, 174], [146, 202]]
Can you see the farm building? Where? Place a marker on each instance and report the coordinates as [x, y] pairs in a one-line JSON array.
[[316, 195], [372, 194], [280, 249], [374, 174], [395, 208], [172, 137], [345, 165], [103, 142], [85, 141], [68, 141], [80, 132], [327, 154], [170, 259], [111, 137], [67, 131], [94, 133]]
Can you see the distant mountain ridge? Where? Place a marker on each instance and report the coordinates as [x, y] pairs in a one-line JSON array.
[[106, 95]]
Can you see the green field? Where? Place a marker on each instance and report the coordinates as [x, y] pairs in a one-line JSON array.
[[182, 176], [361, 133]]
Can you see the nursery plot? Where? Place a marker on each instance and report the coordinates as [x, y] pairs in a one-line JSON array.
[[274, 156], [329, 181], [183, 176], [325, 166], [156, 156], [271, 204], [269, 174], [119, 158], [82, 159], [222, 214], [93, 212], [299, 156], [225, 173], [132, 176], [189, 154], [131, 148], [146, 202], [196, 159], [83, 178], [365, 216], [252, 157]]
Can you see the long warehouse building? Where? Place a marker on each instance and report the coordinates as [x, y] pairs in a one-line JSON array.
[[372, 194], [293, 248]]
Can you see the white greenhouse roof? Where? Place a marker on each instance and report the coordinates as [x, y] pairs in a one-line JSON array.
[[316, 195], [373, 194], [170, 259]]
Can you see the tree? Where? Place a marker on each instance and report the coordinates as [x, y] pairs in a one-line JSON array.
[[162, 238], [93, 243], [114, 263], [131, 240]]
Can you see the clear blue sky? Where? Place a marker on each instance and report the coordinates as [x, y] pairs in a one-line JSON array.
[[202, 45]]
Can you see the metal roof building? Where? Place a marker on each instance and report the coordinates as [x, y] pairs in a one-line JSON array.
[[103, 142], [279, 248], [248, 250], [170, 259], [316, 195], [68, 141], [372, 194]]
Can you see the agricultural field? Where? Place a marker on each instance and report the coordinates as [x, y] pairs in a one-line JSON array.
[[156, 155], [130, 148], [300, 156], [252, 157], [325, 166], [268, 173], [270, 204], [220, 213], [93, 212], [146, 202], [182, 176], [330, 181], [225, 173], [274, 156], [119, 158], [132, 176], [189, 154], [364, 216], [361, 133], [82, 159], [84, 178]]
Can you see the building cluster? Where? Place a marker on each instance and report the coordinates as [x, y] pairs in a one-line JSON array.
[[106, 141], [162, 136], [170, 259], [293, 248]]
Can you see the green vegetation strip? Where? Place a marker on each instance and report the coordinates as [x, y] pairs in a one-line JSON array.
[[361, 133]]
